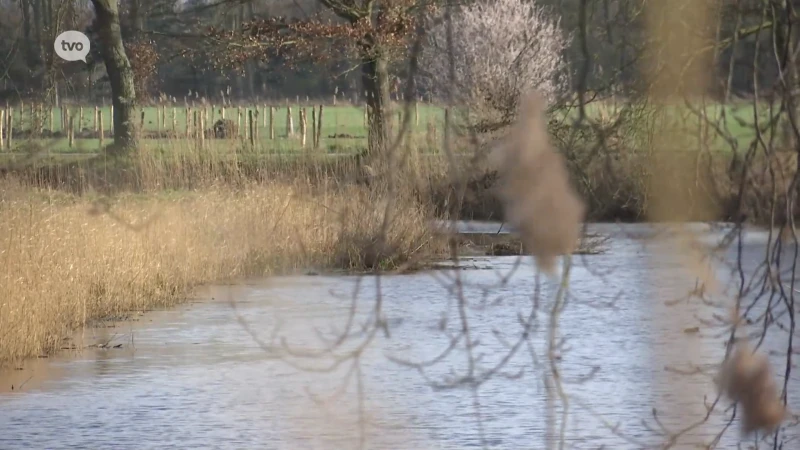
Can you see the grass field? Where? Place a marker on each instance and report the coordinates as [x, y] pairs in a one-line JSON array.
[[715, 126], [343, 127], [344, 130]]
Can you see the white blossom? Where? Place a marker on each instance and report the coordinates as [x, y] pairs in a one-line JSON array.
[[501, 50]]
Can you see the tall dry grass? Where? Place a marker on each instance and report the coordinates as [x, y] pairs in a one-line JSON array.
[[613, 181], [69, 260]]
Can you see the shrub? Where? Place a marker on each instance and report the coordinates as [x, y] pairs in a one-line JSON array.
[[501, 50]]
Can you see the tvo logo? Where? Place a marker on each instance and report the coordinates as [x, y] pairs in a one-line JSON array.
[[72, 46]]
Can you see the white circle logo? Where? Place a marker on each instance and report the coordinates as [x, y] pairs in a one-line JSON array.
[[72, 46]]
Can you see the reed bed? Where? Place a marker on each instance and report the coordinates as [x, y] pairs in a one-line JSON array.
[[70, 260]]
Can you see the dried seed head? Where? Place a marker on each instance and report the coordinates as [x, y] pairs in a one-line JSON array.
[[746, 377], [535, 188]]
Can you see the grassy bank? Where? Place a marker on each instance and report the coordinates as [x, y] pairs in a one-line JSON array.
[[69, 260]]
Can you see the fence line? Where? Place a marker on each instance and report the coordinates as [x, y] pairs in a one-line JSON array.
[[204, 121]]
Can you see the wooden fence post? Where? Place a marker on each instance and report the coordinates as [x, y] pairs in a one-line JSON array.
[[10, 136], [40, 112], [251, 125], [319, 127], [100, 119], [447, 128], [195, 125], [313, 126], [289, 122], [70, 128], [272, 122], [203, 128], [238, 121], [2, 127], [303, 128], [188, 124], [255, 122]]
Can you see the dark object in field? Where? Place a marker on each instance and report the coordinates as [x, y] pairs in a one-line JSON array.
[[746, 378], [163, 134], [344, 136], [225, 129], [86, 133]]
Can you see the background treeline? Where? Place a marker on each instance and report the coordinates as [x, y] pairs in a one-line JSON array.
[[166, 39]]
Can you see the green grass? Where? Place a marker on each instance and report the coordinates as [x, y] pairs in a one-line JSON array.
[[723, 127], [342, 127]]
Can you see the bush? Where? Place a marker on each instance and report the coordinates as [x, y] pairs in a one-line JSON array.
[[501, 50]]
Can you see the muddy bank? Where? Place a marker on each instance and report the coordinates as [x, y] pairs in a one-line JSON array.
[[509, 244]]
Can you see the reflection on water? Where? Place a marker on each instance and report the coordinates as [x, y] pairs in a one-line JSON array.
[[215, 373]]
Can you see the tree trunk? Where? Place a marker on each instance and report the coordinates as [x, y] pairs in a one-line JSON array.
[[137, 21], [119, 70], [250, 65], [375, 80], [48, 56], [28, 43], [38, 21]]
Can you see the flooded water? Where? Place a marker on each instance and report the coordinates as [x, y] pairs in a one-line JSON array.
[[263, 364]]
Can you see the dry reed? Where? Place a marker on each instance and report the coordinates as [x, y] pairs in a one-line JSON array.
[[64, 267], [535, 189], [746, 378]]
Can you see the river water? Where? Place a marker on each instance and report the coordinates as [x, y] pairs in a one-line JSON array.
[[299, 363]]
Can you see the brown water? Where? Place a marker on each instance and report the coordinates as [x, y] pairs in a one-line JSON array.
[[216, 372]]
